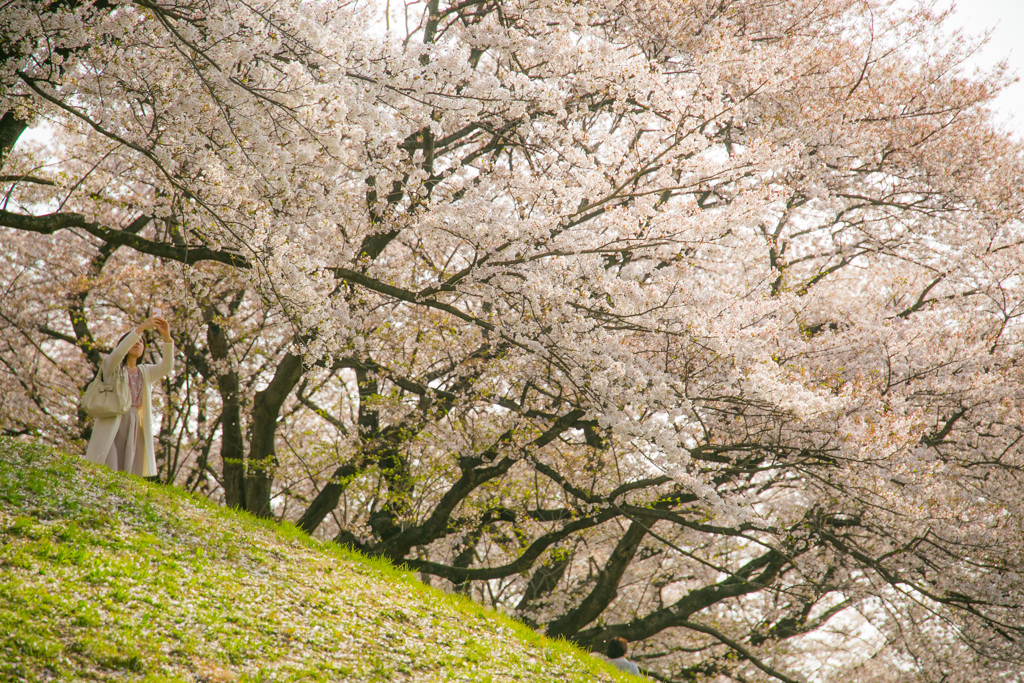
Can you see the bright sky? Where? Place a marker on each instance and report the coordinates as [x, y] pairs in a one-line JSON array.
[[1006, 19]]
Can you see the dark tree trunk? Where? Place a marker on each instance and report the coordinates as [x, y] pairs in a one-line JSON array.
[[232, 444], [11, 128], [259, 475], [328, 498], [607, 587]]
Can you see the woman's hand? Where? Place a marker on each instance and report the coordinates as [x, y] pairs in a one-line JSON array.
[[147, 324], [162, 326]]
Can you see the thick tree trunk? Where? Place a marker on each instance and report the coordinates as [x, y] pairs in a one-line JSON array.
[[11, 128], [259, 475], [232, 445], [607, 587], [327, 499]]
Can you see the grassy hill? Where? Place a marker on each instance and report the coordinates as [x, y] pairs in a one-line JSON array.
[[107, 577]]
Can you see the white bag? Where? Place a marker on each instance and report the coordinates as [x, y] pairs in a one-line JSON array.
[[106, 399]]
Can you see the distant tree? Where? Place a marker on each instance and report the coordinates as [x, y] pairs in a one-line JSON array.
[[693, 322]]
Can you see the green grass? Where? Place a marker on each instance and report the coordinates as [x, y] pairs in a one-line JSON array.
[[104, 576]]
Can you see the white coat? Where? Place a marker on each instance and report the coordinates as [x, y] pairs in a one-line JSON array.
[[105, 428]]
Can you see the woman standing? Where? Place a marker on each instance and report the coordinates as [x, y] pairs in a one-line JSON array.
[[125, 442]]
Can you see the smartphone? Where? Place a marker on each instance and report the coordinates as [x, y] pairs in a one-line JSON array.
[[157, 312]]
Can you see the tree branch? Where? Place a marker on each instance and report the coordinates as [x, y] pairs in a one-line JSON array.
[[54, 222]]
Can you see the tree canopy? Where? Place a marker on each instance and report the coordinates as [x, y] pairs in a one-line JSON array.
[[696, 322]]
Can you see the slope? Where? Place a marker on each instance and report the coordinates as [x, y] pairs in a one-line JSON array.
[[107, 577]]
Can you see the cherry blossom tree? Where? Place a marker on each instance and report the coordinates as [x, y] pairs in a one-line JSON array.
[[694, 322]]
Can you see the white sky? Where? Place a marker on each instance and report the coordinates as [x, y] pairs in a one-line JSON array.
[[1006, 19]]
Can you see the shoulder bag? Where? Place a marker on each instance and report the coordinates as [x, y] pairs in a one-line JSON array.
[[106, 399]]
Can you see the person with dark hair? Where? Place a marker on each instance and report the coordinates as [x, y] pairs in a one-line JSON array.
[[125, 442], [617, 649]]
